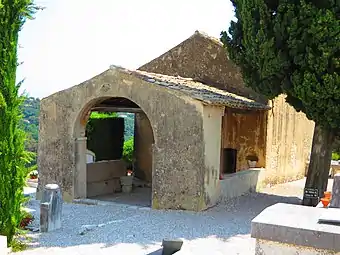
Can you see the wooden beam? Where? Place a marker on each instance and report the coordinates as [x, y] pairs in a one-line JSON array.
[[242, 111], [116, 109]]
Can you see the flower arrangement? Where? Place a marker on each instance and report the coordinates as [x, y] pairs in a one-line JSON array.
[[26, 220], [252, 160], [33, 174], [129, 172]]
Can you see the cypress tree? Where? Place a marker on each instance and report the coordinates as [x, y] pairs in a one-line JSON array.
[[13, 156], [293, 48]]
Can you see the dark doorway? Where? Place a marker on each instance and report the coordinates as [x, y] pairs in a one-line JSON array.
[[229, 159]]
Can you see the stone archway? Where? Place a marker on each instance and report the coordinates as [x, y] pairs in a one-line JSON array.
[[143, 143], [180, 158]]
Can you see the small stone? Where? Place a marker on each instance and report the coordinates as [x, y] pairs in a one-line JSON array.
[[171, 246]]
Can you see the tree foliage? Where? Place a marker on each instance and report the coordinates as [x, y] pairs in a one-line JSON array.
[[292, 47], [13, 156], [128, 149], [30, 124]]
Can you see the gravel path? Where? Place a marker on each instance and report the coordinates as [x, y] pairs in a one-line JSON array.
[[223, 229], [294, 188]]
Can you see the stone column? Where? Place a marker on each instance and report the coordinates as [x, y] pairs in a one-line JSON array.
[[80, 180], [143, 140], [51, 208]]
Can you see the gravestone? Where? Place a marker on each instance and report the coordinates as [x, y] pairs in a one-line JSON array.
[[51, 208], [335, 201], [312, 195]]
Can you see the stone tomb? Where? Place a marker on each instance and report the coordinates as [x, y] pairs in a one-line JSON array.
[[293, 230]]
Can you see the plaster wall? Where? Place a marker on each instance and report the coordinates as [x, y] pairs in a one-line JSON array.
[[143, 140], [289, 141], [178, 151], [245, 132], [212, 117]]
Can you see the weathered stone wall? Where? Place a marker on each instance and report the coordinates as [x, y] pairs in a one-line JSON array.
[[143, 140], [178, 151], [245, 132], [289, 141], [202, 58]]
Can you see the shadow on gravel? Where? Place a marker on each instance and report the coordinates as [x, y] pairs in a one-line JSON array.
[[148, 228]]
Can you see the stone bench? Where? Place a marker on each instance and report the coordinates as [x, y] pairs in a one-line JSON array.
[[294, 229]]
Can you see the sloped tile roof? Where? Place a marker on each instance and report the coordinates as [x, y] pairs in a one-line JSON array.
[[197, 90]]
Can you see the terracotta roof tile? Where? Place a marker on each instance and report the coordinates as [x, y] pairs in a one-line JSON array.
[[199, 91]]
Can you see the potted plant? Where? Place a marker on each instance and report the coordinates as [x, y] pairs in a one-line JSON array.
[[126, 181], [252, 160], [27, 219]]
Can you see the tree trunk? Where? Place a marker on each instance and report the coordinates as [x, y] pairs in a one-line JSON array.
[[320, 162]]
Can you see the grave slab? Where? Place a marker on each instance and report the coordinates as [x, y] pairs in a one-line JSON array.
[[296, 226]]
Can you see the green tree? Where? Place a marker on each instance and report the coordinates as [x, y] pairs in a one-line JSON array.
[[293, 48], [13, 156]]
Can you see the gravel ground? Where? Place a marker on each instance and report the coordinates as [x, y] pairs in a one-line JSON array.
[[223, 229]]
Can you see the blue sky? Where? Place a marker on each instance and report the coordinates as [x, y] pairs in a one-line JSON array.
[[73, 40]]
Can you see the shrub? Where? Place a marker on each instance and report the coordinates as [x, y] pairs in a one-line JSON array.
[[97, 115], [128, 151]]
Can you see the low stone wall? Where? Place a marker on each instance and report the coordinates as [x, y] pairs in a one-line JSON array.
[[240, 183], [103, 177], [292, 230]]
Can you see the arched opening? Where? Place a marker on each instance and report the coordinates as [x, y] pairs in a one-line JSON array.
[[113, 152]]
